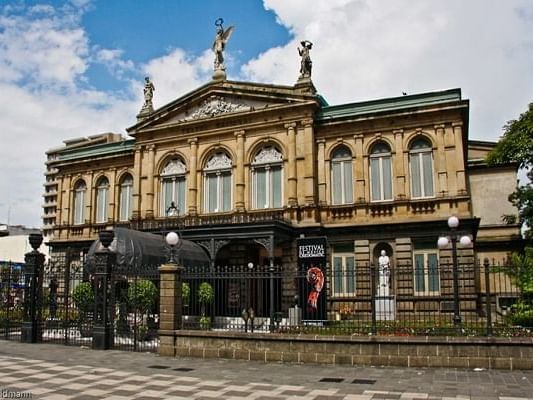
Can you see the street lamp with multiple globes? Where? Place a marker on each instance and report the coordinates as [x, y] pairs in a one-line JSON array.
[[172, 240], [443, 242]]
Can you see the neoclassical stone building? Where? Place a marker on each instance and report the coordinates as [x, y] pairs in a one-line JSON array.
[[245, 169]]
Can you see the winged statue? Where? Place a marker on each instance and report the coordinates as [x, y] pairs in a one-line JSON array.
[[221, 38]]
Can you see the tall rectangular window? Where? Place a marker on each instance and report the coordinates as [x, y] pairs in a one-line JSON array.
[[341, 176], [343, 274], [426, 273]]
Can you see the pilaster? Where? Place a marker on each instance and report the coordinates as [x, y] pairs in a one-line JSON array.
[[291, 168], [459, 157], [440, 161], [239, 173], [399, 170], [150, 194], [309, 162], [193, 171], [136, 195], [321, 155]]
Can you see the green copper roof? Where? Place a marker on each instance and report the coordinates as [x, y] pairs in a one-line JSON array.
[[388, 104], [97, 150]]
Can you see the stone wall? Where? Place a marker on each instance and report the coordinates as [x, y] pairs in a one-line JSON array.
[[453, 352]]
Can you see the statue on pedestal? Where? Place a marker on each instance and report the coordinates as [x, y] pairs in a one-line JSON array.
[[221, 38], [148, 91], [384, 274], [305, 63]]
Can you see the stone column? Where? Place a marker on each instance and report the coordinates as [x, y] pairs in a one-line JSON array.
[[90, 198], [459, 157], [440, 162], [59, 200], [309, 162], [291, 167], [322, 199], [113, 199], [150, 195], [170, 307], [239, 173], [193, 172], [360, 179], [136, 195], [399, 160], [32, 330], [104, 306]]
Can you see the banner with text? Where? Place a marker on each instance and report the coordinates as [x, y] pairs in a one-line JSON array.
[[312, 284]]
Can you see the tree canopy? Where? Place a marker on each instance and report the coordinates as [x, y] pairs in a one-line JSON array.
[[516, 146]]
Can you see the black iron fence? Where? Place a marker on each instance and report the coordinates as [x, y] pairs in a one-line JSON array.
[[420, 298], [407, 299], [66, 304]]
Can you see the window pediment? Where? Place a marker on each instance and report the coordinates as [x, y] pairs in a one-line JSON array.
[[218, 161], [174, 167], [268, 155]]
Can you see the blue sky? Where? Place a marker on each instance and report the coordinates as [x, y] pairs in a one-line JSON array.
[[71, 68]]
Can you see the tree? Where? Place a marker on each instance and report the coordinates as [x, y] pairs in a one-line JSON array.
[[516, 146]]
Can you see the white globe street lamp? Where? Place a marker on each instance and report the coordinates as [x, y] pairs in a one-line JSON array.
[[443, 242], [172, 240]]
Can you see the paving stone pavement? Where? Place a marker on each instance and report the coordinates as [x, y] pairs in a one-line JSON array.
[[46, 371]]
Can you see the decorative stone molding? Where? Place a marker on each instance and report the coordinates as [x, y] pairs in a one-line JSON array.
[[216, 105], [173, 167], [218, 161], [268, 155]]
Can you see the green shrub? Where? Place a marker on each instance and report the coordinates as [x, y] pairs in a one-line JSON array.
[[83, 296], [142, 295], [185, 293]]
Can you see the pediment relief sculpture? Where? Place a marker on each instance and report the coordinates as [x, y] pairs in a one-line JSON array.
[[218, 161], [268, 155], [216, 105]]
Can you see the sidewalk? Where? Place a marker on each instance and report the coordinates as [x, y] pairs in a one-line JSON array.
[[46, 371]]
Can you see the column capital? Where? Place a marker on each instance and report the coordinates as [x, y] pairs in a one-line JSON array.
[[240, 133], [397, 131], [439, 126], [358, 136], [457, 123], [150, 147], [192, 141], [306, 122], [321, 141], [290, 125]]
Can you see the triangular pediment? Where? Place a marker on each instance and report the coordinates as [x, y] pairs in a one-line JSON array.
[[222, 99]]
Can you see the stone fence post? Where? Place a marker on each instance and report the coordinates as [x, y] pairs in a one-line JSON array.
[[170, 307]]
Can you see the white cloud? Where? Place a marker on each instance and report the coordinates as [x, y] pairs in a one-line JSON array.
[[372, 49], [177, 73]]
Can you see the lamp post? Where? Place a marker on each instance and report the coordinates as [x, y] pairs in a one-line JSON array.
[[443, 242], [172, 240]]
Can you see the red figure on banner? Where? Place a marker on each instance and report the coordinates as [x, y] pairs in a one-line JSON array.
[[315, 278]]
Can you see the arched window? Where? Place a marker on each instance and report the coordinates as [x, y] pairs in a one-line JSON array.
[[267, 178], [217, 183], [341, 176], [126, 198], [102, 195], [421, 165], [79, 203], [380, 172], [173, 188]]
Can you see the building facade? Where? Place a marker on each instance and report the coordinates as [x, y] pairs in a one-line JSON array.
[[246, 169]]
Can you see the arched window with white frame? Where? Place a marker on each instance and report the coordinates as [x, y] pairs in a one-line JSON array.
[[80, 189], [380, 172], [341, 176], [102, 197], [218, 183], [421, 165], [173, 188], [267, 191], [126, 197]]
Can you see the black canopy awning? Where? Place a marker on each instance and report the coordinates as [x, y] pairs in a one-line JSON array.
[[138, 251]]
